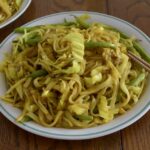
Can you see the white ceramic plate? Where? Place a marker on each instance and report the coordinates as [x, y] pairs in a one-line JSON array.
[[59, 133], [25, 4]]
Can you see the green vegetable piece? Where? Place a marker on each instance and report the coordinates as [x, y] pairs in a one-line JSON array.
[[27, 29], [33, 38], [26, 119], [38, 73], [68, 23], [123, 35], [136, 45], [141, 51], [81, 21], [134, 51], [138, 80], [92, 44], [85, 117]]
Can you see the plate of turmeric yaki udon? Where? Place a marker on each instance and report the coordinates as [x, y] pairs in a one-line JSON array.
[[10, 10], [68, 75]]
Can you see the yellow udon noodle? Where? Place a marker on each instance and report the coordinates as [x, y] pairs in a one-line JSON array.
[[8, 8], [83, 88]]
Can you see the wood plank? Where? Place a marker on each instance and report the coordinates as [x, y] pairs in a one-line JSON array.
[[134, 11], [93, 144], [18, 139], [137, 135]]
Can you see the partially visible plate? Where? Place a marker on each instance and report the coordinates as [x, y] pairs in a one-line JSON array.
[[75, 134], [25, 4]]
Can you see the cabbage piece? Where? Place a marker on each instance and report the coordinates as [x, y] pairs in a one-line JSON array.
[[78, 109], [137, 81], [77, 50], [96, 76], [75, 68], [105, 111], [77, 45]]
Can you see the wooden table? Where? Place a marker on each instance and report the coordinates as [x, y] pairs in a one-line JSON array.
[[136, 136]]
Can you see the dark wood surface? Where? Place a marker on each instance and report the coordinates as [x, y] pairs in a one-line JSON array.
[[134, 137]]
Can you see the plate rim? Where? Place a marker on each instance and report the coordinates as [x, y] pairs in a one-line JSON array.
[[16, 15], [80, 136]]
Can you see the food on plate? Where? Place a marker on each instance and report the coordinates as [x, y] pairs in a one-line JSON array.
[[8, 8], [73, 74]]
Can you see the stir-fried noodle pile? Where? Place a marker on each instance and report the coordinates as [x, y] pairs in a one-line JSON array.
[[73, 74]]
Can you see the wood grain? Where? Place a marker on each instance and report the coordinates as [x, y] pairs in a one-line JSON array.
[[135, 11], [135, 137], [14, 138]]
